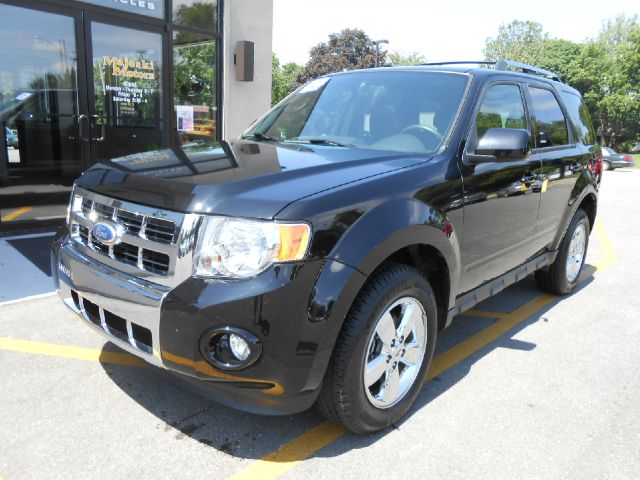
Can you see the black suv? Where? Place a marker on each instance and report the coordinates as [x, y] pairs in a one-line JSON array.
[[316, 258]]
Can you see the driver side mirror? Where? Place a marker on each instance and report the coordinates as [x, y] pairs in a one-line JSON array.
[[500, 145]]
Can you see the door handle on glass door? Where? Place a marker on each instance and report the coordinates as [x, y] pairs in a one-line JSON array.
[[81, 131], [95, 118]]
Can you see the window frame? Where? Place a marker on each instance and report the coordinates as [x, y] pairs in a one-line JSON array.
[[492, 82], [570, 134], [590, 127], [218, 65]]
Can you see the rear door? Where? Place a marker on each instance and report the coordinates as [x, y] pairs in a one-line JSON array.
[[501, 198], [562, 155]]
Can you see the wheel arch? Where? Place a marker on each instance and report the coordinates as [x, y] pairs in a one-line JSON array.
[[590, 205], [412, 233]]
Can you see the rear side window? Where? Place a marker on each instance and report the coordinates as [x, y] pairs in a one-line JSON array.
[[551, 126], [582, 126]]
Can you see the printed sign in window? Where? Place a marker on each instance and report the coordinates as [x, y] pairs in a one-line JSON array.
[[185, 118]]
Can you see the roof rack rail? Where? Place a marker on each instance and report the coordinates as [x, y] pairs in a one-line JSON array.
[[459, 62], [530, 69], [503, 65]]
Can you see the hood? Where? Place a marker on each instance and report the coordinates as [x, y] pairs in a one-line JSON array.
[[240, 178]]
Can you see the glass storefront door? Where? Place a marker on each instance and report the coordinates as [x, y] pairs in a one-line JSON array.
[[126, 94], [75, 88], [40, 101]]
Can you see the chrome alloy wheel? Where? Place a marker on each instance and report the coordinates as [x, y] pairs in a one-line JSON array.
[[395, 352], [575, 255]]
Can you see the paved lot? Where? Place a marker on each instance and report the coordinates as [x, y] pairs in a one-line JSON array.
[[525, 386]]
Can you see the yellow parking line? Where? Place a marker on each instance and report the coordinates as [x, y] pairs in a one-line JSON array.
[[484, 314], [484, 337], [290, 454], [609, 253], [16, 213], [75, 353], [295, 451], [276, 463]]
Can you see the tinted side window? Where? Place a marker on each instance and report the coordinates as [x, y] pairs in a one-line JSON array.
[[582, 126], [501, 108], [551, 125]]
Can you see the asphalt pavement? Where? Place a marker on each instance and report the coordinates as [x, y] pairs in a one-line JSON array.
[[525, 386]]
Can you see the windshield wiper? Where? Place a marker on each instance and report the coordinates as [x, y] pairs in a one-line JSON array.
[[262, 137], [323, 141]]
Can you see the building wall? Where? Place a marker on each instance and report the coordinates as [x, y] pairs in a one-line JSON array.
[[244, 102]]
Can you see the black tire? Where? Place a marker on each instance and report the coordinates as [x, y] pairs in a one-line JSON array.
[[553, 279], [343, 398]]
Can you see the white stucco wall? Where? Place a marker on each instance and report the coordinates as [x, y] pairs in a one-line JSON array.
[[243, 102]]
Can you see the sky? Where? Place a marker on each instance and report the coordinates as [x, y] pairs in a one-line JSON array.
[[442, 30]]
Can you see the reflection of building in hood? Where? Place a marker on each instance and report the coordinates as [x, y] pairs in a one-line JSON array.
[[233, 162]]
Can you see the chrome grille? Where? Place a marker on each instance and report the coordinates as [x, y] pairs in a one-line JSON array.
[[132, 221], [151, 244]]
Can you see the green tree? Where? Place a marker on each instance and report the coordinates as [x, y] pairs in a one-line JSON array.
[[605, 69], [606, 73], [193, 71], [284, 78], [199, 15], [557, 55], [348, 50], [521, 41], [413, 58]]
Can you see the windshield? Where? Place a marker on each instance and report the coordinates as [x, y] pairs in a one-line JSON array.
[[398, 111]]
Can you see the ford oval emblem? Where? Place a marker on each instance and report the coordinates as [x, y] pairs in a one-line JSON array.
[[106, 233]]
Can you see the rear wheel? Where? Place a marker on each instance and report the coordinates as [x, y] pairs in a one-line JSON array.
[[382, 353], [561, 277]]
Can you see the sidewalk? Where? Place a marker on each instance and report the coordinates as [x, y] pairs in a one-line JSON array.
[[25, 268]]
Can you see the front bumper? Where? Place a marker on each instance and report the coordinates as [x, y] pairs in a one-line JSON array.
[[163, 325]]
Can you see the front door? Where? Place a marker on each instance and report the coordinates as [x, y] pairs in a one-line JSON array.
[[501, 198], [75, 88]]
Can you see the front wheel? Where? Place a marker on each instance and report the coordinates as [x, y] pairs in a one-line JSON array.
[[561, 277], [383, 352]]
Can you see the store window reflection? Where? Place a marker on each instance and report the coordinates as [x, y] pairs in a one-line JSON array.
[[200, 14], [38, 91], [126, 72], [194, 91]]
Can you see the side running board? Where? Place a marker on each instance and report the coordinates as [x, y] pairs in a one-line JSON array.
[[470, 299]]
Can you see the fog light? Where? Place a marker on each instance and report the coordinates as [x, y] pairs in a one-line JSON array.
[[239, 347], [230, 348]]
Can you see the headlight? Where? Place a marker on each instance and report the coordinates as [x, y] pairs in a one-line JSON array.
[[238, 248], [75, 205]]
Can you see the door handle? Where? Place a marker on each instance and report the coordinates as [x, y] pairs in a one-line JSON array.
[[81, 132], [95, 118]]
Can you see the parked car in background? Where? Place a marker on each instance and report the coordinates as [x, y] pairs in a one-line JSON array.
[[612, 159], [12, 137]]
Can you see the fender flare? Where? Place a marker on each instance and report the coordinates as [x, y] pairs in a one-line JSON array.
[[401, 223]]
